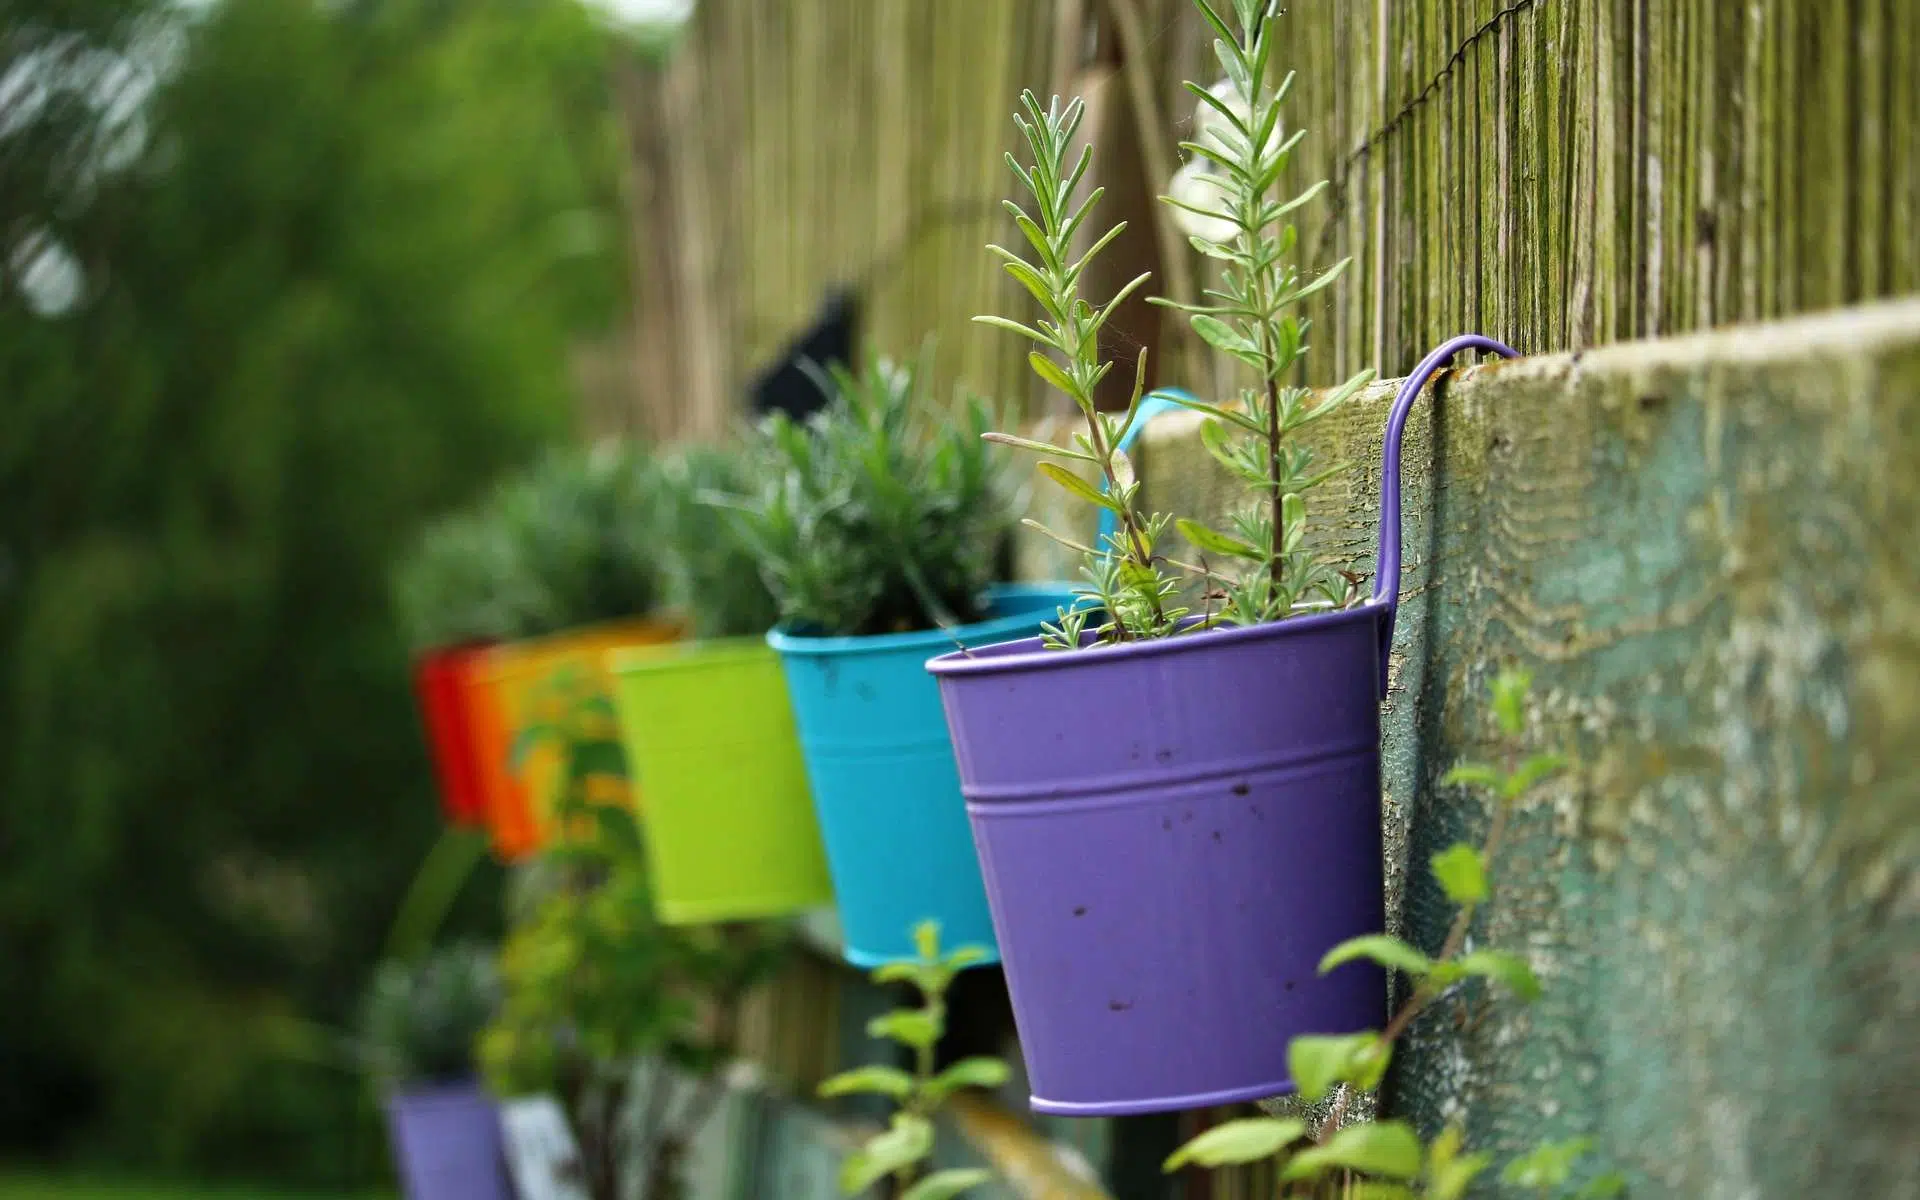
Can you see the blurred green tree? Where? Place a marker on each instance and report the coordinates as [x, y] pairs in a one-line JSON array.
[[279, 279]]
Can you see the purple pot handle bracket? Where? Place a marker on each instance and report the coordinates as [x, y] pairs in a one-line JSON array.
[[1386, 575]]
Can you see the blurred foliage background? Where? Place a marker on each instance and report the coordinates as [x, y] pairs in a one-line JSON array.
[[279, 280]]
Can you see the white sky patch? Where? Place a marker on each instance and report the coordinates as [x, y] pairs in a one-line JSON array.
[[646, 13], [47, 274]]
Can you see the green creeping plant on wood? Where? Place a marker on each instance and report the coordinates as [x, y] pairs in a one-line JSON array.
[[1259, 567], [1386, 1159], [901, 1150], [593, 983]]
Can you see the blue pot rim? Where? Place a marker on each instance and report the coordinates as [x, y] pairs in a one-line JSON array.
[[980, 633], [1027, 654]]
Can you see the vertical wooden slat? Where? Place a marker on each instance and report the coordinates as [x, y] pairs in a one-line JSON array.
[[1584, 170]]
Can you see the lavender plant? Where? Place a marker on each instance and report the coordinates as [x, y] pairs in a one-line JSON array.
[[1259, 566], [420, 1021], [1386, 1159], [882, 513]]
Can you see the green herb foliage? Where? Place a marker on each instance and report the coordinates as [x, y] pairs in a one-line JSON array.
[[1259, 568], [570, 541], [580, 526], [882, 513], [463, 584], [421, 1021], [1387, 1159], [715, 574], [901, 1150], [594, 984]]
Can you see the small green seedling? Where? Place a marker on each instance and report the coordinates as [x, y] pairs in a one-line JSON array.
[[1386, 1160], [901, 1150]]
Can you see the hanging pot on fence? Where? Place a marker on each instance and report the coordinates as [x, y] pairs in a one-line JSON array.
[[440, 683], [446, 1143], [514, 677], [1174, 832], [881, 769], [709, 734]]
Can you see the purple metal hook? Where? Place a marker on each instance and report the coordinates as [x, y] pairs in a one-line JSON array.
[[1386, 575]]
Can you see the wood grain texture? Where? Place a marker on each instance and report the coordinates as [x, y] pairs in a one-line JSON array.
[[1558, 173], [1702, 548], [1568, 173], [789, 147]]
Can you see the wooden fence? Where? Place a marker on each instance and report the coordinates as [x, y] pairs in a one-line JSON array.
[[1561, 173]]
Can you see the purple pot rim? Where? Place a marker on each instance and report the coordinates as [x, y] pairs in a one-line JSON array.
[[424, 1092], [979, 633], [1160, 1104], [1034, 657]]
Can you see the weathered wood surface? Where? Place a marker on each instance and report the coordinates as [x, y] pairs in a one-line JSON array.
[[1559, 173], [1568, 173], [790, 147], [1704, 549]]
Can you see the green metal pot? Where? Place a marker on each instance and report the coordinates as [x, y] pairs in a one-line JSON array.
[[730, 827]]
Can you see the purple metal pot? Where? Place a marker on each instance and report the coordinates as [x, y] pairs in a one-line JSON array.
[[446, 1143], [1173, 833]]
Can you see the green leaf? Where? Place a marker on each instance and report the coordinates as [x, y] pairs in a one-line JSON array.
[[1317, 1062], [964, 957], [896, 972], [1008, 439], [1014, 327], [1603, 1187], [1548, 1165], [874, 1080], [1509, 700], [1228, 415], [1449, 1171], [980, 1072], [1293, 511], [1214, 542], [1387, 951], [1374, 1189], [944, 1185], [618, 827], [1218, 334], [1531, 774], [916, 1028], [1451, 1181], [1473, 774], [1326, 278], [909, 1140], [1078, 486], [1333, 400], [596, 758], [1249, 1139], [1505, 968], [528, 740], [926, 941], [1388, 1148], [1050, 372], [1461, 873]]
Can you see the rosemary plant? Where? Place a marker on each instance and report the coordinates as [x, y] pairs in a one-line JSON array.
[[1259, 566]]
